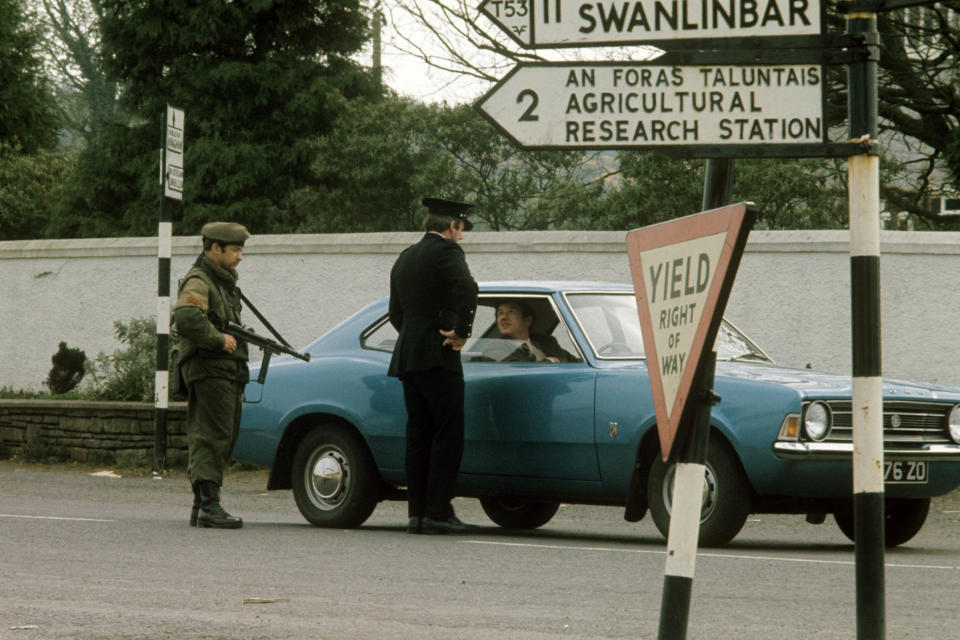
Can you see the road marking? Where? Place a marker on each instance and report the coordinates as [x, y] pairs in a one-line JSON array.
[[11, 515], [734, 556]]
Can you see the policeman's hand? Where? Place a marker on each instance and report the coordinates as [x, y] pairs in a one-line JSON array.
[[452, 340], [229, 343]]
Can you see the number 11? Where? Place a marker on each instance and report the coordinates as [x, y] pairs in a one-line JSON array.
[[546, 11]]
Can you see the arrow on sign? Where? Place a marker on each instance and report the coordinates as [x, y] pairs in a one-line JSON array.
[[573, 23], [610, 105], [683, 271]]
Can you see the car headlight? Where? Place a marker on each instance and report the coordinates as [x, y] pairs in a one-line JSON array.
[[816, 421], [953, 424]]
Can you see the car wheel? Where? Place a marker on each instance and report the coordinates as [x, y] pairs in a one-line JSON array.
[[904, 517], [516, 513], [334, 478], [726, 496]]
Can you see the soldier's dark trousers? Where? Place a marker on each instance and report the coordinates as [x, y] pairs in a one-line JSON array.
[[213, 422], [434, 401]]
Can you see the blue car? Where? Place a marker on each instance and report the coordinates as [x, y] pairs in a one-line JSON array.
[[539, 434]]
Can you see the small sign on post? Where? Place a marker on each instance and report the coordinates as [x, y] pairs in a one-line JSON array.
[[173, 154]]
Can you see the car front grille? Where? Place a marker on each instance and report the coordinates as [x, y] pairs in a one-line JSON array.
[[917, 422]]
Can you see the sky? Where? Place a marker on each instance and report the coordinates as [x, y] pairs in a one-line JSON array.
[[410, 76]]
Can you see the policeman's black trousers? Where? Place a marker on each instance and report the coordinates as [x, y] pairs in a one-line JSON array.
[[434, 402]]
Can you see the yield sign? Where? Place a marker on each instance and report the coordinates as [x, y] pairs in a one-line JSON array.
[[683, 271]]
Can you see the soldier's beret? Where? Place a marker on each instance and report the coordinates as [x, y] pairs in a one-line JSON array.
[[450, 208], [225, 232]]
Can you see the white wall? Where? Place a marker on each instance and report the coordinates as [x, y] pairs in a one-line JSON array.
[[792, 292]]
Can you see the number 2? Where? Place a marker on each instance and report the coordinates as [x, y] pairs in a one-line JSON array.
[[529, 115]]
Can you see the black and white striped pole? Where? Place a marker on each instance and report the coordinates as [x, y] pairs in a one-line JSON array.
[[171, 186], [686, 506], [864, 195]]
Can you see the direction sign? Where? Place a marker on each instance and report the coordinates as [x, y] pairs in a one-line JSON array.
[[576, 23], [682, 274], [610, 105], [173, 156]]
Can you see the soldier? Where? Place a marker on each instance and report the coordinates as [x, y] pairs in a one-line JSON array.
[[433, 299], [213, 366]]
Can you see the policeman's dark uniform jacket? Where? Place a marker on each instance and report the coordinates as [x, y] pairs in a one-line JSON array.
[[431, 289], [208, 298]]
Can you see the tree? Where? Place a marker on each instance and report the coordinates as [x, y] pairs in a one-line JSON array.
[[30, 186], [87, 98], [372, 168], [28, 114], [919, 101], [371, 177], [254, 80]]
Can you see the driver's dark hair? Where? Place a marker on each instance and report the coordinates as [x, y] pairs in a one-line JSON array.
[[525, 308]]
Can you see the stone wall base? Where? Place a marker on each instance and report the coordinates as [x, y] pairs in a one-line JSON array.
[[86, 430]]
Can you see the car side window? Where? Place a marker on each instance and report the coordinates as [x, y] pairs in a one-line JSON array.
[[380, 336], [488, 344]]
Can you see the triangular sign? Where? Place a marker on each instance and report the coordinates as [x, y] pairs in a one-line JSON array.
[[682, 274]]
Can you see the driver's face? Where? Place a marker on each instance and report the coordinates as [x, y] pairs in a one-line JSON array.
[[511, 321]]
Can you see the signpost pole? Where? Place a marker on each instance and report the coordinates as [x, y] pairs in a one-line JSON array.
[[717, 183], [685, 512], [864, 186], [164, 243], [171, 186]]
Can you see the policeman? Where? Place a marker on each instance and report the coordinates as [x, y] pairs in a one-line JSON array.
[[433, 299], [213, 366]]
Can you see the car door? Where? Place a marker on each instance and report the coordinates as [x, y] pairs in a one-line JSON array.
[[533, 420]]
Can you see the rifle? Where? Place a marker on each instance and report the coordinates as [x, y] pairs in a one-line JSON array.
[[268, 346]]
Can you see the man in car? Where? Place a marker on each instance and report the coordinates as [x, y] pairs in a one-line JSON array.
[[514, 319], [433, 300], [213, 366]]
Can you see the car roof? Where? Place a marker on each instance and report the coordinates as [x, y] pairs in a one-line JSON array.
[[544, 286]]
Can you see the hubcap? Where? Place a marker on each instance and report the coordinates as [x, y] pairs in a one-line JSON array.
[[708, 501], [329, 478]]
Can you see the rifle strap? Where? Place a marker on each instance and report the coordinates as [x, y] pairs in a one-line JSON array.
[[264, 321]]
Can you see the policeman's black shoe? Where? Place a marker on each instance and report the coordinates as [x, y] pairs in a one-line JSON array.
[[450, 525], [195, 511], [415, 525], [212, 515]]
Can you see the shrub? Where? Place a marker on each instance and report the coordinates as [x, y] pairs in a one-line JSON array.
[[67, 370], [129, 373]]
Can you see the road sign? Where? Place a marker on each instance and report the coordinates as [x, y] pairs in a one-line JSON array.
[[575, 23], [173, 156], [682, 274], [610, 105]]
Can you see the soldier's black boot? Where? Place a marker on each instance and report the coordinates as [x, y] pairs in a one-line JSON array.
[[195, 511], [212, 515]]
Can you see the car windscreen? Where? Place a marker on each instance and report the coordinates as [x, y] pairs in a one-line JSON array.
[[610, 323], [612, 326]]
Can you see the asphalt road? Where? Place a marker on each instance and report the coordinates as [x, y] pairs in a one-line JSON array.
[[84, 556]]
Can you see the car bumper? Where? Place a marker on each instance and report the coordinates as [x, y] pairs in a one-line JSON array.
[[844, 450]]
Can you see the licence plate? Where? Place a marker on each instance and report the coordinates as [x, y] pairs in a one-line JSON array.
[[906, 472]]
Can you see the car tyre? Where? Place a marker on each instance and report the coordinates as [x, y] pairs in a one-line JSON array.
[[335, 482], [904, 517], [726, 499], [517, 513]]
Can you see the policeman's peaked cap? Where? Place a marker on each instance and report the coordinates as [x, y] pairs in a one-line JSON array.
[[449, 208], [225, 232]]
